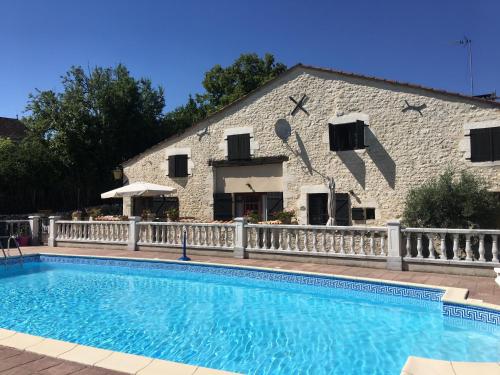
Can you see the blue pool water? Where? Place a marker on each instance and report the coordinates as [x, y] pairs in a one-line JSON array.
[[235, 323]]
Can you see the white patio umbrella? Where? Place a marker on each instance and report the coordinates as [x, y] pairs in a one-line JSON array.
[[331, 202], [139, 189]]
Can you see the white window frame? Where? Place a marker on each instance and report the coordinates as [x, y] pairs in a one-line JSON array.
[[172, 151], [465, 145]]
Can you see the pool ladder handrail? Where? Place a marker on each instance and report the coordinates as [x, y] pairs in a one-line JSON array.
[[7, 255]]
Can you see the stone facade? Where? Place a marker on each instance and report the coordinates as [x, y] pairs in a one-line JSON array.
[[404, 148]]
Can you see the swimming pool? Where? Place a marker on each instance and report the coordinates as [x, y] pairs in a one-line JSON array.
[[247, 321]]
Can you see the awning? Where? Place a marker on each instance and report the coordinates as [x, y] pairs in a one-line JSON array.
[[138, 189]]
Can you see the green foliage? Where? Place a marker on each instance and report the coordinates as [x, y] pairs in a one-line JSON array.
[[172, 214], [100, 118], [248, 72], [285, 216], [453, 200]]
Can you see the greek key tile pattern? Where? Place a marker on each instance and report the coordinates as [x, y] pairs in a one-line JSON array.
[[428, 294], [478, 314]]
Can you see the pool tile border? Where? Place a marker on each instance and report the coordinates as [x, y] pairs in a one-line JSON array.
[[454, 300], [371, 286]]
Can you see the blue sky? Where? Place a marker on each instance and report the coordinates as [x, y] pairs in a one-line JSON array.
[[174, 42]]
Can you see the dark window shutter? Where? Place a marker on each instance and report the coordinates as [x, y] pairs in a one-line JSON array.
[[481, 145], [358, 213], [171, 166], [318, 208], [342, 209], [181, 169], [223, 206], [274, 203], [244, 146], [359, 135], [495, 135], [232, 147], [331, 133], [370, 213]]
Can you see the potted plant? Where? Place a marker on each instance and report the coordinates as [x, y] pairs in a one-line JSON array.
[[147, 215], [23, 237], [172, 214], [76, 215], [252, 217], [285, 216], [94, 212]]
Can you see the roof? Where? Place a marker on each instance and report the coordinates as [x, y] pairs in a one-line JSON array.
[[12, 128], [341, 73]]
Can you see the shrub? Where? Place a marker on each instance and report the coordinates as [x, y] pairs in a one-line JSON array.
[[285, 216], [172, 214], [452, 200]]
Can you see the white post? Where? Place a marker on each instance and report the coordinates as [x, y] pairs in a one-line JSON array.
[[52, 231], [240, 239], [394, 258], [35, 229], [133, 233]]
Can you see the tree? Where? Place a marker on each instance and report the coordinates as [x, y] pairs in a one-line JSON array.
[[96, 122], [452, 200], [225, 85]]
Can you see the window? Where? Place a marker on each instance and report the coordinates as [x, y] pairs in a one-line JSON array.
[[485, 144], [349, 136], [223, 206], [362, 213], [178, 166], [318, 208], [238, 147]]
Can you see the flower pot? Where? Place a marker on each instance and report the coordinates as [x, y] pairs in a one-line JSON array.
[[23, 240]]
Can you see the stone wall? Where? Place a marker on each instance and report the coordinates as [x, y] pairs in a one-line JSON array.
[[404, 148]]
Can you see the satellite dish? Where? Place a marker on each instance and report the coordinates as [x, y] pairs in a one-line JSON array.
[[283, 129]]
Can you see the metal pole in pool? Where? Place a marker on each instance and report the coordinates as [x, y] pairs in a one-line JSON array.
[[184, 239]]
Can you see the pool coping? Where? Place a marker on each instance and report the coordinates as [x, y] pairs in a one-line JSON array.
[[141, 365]]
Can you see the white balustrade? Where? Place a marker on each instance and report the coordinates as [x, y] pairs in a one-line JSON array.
[[92, 231], [479, 245], [198, 235], [317, 240]]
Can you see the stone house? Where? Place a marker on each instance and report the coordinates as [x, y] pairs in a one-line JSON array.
[[278, 146]]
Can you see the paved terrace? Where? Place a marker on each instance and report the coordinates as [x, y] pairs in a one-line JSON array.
[[481, 288]]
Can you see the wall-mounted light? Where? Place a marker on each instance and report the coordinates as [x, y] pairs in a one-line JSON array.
[[117, 173], [250, 187]]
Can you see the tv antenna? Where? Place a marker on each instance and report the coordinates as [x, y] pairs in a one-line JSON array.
[[467, 43]]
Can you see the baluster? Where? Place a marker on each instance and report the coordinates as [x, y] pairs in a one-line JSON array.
[[430, 236], [212, 236], [264, 238], [351, 243], [226, 236], [383, 250], [163, 232], [443, 249], [408, 244], [305, 239], [419, 245], [272, 237], [481, 248], [281, 238], [323, 241], [468, 249], [314, 235], [362, 242], [494, 247], [297, 240], [372, 243], [332, 241], [341, 245], [288, 239], [455, 247]]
